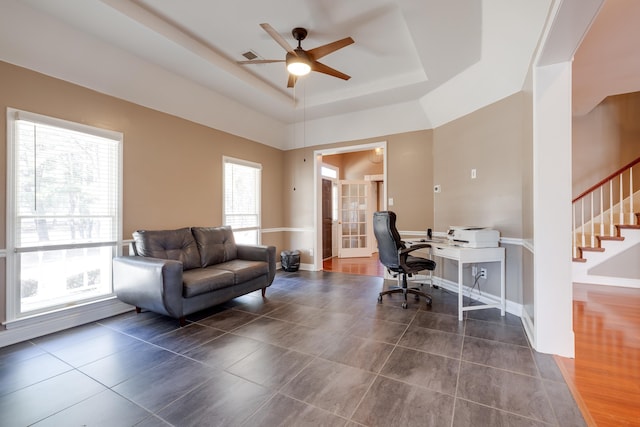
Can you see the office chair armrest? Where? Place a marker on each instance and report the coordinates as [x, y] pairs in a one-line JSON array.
[[405, 251]]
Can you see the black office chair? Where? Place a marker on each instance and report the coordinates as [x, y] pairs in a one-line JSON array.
[[395, 256]]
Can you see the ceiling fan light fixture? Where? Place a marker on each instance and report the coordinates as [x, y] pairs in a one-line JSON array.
[[298, 63], [298, 68]]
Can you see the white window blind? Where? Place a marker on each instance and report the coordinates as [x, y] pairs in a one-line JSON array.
[[64, 211], [242, 199]]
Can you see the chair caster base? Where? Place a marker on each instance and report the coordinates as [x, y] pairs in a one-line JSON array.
[[404, 305], [379, 299]]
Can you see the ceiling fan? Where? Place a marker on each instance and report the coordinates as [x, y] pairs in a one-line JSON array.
[[299, 61]]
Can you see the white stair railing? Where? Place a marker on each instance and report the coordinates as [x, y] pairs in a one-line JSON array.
[[591, 213]]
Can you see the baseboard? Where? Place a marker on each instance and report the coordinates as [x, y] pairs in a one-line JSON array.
[[26, 329], [306, 267], [511, 307], [527, 323]]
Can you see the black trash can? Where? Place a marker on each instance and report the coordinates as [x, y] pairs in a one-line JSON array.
[[290, 260]]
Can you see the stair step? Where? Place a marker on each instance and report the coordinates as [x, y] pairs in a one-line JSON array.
[[591, 249], [587, 236], [628, 226], [618, 238]]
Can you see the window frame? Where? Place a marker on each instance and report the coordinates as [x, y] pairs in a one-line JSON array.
[[233, 160], [14, 310]]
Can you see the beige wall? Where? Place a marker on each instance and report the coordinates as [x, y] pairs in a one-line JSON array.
[[605, 139], [358, 164], [489, 140], [172, 167], [409, 174]]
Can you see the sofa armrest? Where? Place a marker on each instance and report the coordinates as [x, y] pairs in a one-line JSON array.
[[151, 283], [259, 253]]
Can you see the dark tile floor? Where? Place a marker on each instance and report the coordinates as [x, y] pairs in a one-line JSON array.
[[319, 351]]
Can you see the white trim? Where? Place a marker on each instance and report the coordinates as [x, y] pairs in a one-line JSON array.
[[305, 267], [527, 323], [237, 161], [288, 229], [37, 326], [3, 253], [26, 249], [511, 241], [14, 114], [504, 240]]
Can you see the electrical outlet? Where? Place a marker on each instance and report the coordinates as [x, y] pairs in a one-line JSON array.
[[483, 273]]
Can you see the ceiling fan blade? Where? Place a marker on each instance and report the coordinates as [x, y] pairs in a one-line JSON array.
[[260, 61], [292, 80], [278, 38], [321, 68], [320, 51]]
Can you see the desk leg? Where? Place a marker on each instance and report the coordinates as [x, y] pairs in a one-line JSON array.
[[460, 296]]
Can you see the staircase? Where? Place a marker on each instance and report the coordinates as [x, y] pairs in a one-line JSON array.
[[606, 230]]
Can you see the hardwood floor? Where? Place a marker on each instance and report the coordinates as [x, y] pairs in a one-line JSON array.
[[605, 374], [369, 266]]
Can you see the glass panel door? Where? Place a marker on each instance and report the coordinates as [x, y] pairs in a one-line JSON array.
[[354, 218]]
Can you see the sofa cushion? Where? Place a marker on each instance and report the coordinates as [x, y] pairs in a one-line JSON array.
[[177, 245], [244, 270], [215, 244], [202, 280]]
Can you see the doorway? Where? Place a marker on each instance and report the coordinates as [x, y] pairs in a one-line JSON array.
[[378, 152], [327, 218]]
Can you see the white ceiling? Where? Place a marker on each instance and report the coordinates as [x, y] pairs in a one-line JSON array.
[[608, 60], [415, 64]]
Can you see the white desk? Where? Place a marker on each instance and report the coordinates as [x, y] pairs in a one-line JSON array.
[[468, 256]]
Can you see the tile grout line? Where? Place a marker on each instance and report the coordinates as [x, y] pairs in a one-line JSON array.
[[455, 397], [377, 374]]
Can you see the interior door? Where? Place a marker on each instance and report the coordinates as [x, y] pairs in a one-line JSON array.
[[327, 219], [355, 216]]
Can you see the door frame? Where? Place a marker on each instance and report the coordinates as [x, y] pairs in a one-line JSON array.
[[317, 189]]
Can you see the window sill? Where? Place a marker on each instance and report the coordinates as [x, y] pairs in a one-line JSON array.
[[38, 325]]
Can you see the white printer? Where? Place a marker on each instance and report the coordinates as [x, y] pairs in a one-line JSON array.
[[473, 237]]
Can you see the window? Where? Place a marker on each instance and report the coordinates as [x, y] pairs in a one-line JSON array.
[[331, 172], [241, 208], [64, 213]]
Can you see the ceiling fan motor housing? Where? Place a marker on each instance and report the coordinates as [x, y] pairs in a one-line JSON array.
[[300, 56], [299, 34]]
